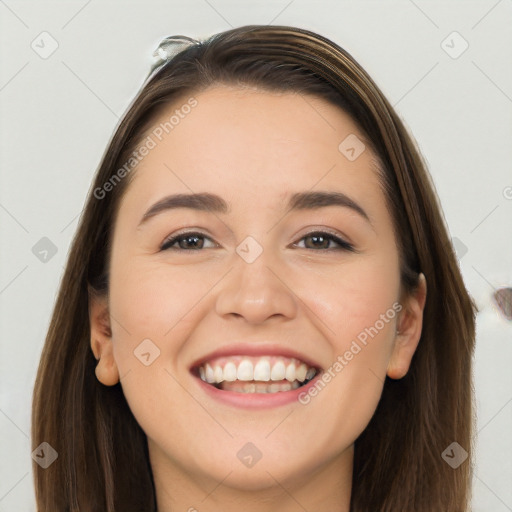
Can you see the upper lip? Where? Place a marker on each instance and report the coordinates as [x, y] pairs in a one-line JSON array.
[[255, 349]]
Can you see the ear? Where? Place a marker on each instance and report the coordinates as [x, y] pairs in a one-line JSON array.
[[409, 326], [101, 339]]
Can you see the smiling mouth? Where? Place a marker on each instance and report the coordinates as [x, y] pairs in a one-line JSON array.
[[260, 374]]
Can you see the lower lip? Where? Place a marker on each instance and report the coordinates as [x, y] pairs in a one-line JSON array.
[[256, 400]]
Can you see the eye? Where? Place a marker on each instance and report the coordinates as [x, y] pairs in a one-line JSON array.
[[186, 241], [322, 240], [195, 241]]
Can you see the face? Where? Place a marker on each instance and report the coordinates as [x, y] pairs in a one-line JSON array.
[[304, 293]]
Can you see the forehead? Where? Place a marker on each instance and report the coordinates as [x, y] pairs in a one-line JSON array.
[[246, 142]]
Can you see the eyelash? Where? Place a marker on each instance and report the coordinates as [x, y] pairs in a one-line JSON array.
[[344, 246]]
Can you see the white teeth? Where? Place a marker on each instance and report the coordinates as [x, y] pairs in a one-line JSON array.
[[230, 372], [262, 370], [209, 374], [218, 374], [261, 388], [259, 371], [300, 372], [246, 387], [290, 372], [278, 371], [245, 370]]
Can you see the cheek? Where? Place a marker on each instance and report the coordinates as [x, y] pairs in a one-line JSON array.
[[154, 310], [358, 308], [156, 302], [150, 298], [354, 297]]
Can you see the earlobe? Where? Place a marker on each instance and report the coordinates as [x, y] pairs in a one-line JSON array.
[[101, 339], [409, 328], [106, 370]]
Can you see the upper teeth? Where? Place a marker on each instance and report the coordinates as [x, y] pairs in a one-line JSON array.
[[263, 368]]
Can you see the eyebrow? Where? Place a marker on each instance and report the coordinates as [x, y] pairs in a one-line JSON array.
[[216, 204]]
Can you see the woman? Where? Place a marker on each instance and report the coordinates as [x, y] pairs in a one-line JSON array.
[[261, 303]]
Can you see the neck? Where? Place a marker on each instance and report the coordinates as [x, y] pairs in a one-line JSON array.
[[326, 487]]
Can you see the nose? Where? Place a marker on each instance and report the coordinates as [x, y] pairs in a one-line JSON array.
[[256, 292]]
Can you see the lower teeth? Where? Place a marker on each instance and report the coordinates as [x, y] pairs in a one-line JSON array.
[[258, 387]]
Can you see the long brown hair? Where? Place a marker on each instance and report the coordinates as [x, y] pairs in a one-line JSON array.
[[103, 462]]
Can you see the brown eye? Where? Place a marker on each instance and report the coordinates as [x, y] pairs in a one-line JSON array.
[[186, 241], [194, 241], [321, 240]]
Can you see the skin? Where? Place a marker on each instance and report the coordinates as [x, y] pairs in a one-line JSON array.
[[253, 148]]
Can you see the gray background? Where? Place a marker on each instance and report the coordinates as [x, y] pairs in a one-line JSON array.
[[59, 112]]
